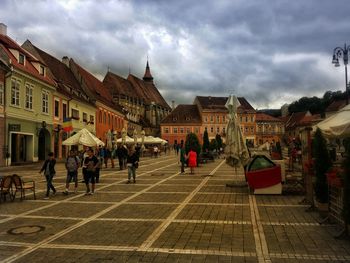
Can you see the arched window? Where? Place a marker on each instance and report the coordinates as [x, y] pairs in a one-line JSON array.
[[109, 119], [104, 117], [100, 117]]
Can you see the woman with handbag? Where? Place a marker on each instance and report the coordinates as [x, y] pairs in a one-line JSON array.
[[132, 163]]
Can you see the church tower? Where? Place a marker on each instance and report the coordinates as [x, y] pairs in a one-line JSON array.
[[148, 76]]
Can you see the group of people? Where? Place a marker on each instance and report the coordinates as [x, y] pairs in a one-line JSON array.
[[91, 164]]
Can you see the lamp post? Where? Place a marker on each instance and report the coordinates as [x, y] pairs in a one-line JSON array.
[[342, 53]]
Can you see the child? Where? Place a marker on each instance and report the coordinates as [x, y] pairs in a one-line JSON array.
[[49, 172]]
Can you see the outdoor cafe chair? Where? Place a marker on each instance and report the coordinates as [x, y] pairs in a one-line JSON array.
[[6, 188], [21, 186]]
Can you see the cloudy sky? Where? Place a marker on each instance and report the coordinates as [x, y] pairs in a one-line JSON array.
[[271, 52]]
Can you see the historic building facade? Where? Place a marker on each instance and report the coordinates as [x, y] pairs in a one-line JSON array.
[[268, 128], [183, 119], [28, 104], [140, 99], [213, 117]]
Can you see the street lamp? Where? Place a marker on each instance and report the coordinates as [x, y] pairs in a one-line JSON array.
[[338, 53]]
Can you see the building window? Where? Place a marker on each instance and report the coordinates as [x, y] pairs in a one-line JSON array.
[[252, 119], [45, 101], [166, 130], [64, 110], [246, 118], [246, 129], [42, 70], [1, 94], [92, 119], [15, 92], [211, 129], [241, 119], [188, 130], [85, 119], [211, 118], [21, 59], [174, 130], [57, 109], [251, 129], [223, 130], [205, 119], [29, 97], [181, 130], [104, 118], [217, 119], [196, 130], [75, 114], [218, 130]]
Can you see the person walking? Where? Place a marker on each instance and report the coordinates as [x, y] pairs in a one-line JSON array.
[[49, 171], [72, 165], [192, 160], [120, 155], [132, 164], [182, 158], [125, 155], [90, 165]]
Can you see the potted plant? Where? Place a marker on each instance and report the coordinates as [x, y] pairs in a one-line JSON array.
[[322, 164]]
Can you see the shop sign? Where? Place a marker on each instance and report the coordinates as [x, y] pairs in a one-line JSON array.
[[15, 127]]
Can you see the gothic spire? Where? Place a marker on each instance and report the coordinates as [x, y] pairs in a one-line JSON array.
[[148, 76]]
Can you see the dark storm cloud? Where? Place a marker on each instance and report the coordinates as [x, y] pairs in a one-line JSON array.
[[271, 52]]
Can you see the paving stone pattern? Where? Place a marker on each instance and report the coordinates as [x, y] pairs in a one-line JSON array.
[[165, 217]]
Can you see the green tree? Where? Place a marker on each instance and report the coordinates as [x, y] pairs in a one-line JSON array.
[[219, 141], [205, 141], [322, 165], [213, 145], [192, 142]]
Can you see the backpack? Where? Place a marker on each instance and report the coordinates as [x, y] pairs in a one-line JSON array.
[[70, 167]]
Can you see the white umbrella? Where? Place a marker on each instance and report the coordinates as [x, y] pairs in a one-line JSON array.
[[126, 140], [236, 150], [337, 125], [84, 137]]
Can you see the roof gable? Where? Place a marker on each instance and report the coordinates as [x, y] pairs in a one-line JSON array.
[[183, 114]]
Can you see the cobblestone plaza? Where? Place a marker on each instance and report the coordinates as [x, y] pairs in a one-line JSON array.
[[165, 217]]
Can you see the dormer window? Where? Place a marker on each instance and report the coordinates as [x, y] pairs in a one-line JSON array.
[[174, 119], [42, 70], [21, 59], [188, 118]]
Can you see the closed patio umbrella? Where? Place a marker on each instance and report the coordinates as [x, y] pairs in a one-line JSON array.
[[236, 150]]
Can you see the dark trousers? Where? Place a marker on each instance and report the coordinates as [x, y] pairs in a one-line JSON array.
[[182, 167], [49, 184], [121, 162]]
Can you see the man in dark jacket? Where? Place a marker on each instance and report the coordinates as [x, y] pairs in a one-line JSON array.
[[132, 163], [49, 171], [120, 155]]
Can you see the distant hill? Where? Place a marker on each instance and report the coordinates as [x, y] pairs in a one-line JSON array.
[[272, 112]]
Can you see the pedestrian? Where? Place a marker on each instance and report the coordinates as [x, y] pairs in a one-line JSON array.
[[155, 151], [107, 156], [192, 160], [132, 164], [49, 171], [125, 155], [177, 149], [120, 155], [101, 155], [182, 158], [72, 165], [90, 165]]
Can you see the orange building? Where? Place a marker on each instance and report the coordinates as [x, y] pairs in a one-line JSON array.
[[209, 113], [268, 128], [109, 116], [182, 120]]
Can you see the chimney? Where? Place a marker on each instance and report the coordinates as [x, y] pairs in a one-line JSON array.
[[3, 29], [173, 104], [65, 60]]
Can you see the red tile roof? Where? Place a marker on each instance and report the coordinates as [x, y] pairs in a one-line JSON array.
[[134, 87], [67, 83], [8, 43], [183, 114], [218, 103], [95, 86], [261, 117], [336, 105]]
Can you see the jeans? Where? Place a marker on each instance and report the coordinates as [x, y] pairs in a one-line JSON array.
[[49, 184], [131, 172]]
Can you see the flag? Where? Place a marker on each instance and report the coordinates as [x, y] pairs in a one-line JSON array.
[[67, 124]]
